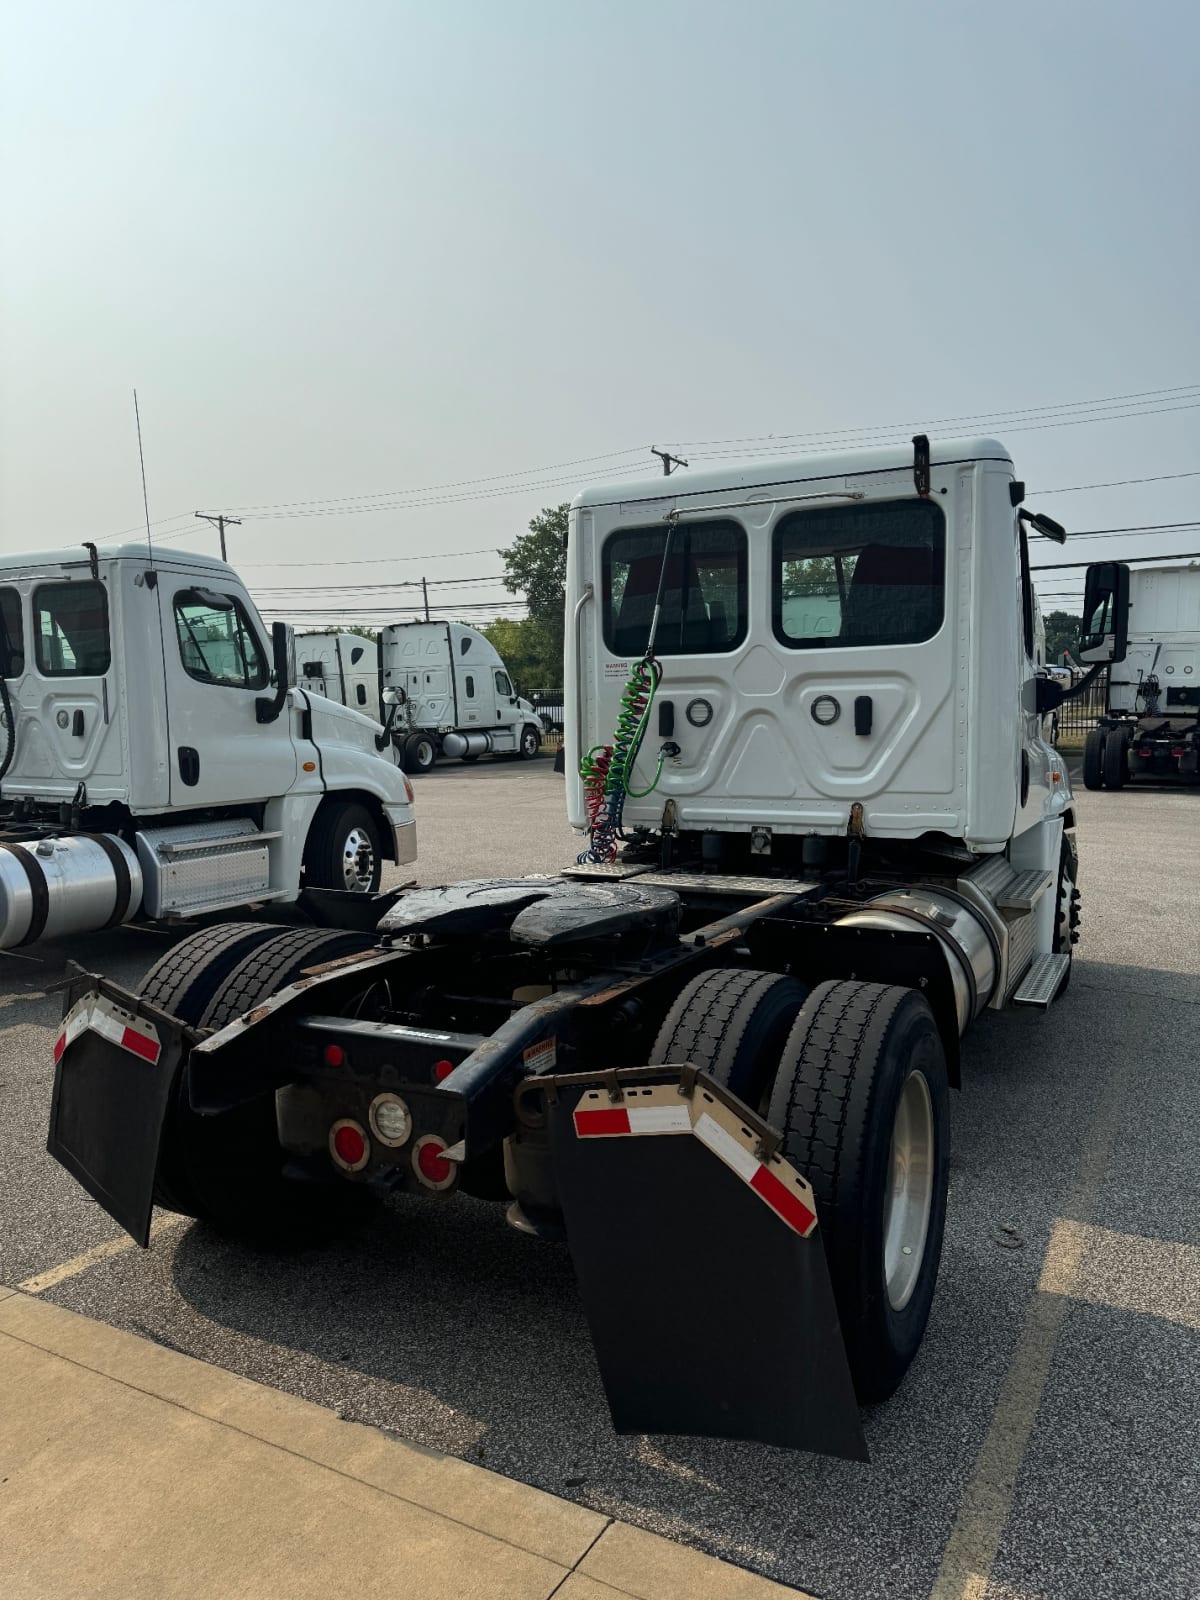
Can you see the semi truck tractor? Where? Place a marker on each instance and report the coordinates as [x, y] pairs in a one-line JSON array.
[[1150, 728], [442, 687], [820, 834], [157, 762]]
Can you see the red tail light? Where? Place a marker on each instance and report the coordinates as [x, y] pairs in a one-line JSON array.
[[349, 1145], [442, 1070]]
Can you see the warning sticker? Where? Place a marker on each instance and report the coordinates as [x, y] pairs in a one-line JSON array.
[[541, 1057], [616, 669]]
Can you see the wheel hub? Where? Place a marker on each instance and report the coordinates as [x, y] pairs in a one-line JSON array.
[[358, 861], [910, 1190]]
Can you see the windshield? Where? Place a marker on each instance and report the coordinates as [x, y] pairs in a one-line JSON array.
[[859, 575]]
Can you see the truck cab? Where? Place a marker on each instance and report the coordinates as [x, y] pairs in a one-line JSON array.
[[144, 698]]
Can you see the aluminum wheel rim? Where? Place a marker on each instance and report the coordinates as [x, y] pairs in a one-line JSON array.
[[909, 1192], [358, 861], [530, 742], [424, 753]]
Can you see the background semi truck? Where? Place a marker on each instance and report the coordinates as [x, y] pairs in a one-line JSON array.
[[453, 694], [818, 840], [156, 761], [1151, 722]]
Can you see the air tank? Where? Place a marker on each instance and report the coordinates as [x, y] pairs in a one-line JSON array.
[[53, 887], [466, 744]]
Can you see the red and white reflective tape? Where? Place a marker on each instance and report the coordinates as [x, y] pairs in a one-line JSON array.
[[611, 1121], [661, 1110], [782, 1199], [102, 1017]]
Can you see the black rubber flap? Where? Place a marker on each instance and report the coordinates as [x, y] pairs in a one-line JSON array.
[[106, 1122], [708, 1314]]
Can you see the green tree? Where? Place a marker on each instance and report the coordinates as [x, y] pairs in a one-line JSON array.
[[1062, 633], [535, 565]]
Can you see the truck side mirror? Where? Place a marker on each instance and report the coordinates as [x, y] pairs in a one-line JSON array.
[[266, 710], [1105, 634]]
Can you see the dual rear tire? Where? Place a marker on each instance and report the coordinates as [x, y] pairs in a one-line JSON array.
[[854, 1075], [1106, 758]]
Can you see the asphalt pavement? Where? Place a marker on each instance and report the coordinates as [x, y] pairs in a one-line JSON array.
[[1044, 1442]]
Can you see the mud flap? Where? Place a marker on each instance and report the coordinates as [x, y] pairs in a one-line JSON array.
[[700, 1263], [115, 1064]]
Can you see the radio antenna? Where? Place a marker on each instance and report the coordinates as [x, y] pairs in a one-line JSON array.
[[142, 460]]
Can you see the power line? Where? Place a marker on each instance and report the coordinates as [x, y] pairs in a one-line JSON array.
[[1116, 483], [1175, 555]]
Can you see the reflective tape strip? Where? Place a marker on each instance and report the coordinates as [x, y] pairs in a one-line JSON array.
[[613, 1120], [113, 1027], [786, 1205], [72, 1027]]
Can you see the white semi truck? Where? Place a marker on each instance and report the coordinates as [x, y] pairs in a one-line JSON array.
[[442, 687], [821, 833], [155, 760], [1151, 723]]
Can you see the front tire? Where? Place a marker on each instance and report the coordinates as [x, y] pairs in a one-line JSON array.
[[343, 849], [420, 753], [863, 1103], [531, 742], [1066, 915], [1093, 759]]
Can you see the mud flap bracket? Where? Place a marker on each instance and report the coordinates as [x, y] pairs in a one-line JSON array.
[[700, 1263]]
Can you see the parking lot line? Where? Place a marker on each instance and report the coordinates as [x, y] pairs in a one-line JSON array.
[[99, 1252], [1124, 1271], [970, 1551]]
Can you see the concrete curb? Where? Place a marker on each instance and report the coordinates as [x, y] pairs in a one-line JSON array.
[[132, 1469]]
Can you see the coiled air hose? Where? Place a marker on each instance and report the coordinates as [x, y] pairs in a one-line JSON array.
[[606, 769]]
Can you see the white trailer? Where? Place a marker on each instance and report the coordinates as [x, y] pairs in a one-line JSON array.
[[458, 697], [822, 834], [157, 761], [1151, 723]]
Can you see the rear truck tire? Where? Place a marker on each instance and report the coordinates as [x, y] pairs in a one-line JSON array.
[[1093, 759], [227, 1169], [530, 742], [1116, 764], [1067, 902], [420, 753], [732, 1024], [862, 1101], [343, 849]]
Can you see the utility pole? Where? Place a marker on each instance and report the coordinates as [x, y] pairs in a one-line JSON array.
[[669, 462], [425, 592], [218, 520]]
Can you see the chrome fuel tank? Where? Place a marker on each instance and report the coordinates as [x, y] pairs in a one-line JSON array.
[[53, 887]]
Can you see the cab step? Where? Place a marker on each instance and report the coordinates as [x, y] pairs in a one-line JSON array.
[[1040, 984], [1024, 890]]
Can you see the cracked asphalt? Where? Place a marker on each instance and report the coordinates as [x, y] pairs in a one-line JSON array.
[[1044, 1442]]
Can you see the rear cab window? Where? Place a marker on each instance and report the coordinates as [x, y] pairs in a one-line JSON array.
[[704, 589], [217, 644], [859, 575], [70, 629], [12, 634]]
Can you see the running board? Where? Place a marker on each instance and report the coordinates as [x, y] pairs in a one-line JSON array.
[[1040, 984]]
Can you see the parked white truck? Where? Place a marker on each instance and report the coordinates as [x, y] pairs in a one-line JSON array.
[[1151, 723], [450, 691], [822, 834], [157, 762]]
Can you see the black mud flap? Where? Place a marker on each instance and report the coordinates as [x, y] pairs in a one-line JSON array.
[[700, 1263], [115, 1063]]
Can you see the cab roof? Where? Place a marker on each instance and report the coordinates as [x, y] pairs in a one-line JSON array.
[[169, 560], [801, 469]]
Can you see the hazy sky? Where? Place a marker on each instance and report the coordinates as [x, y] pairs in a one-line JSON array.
[[356, 249]]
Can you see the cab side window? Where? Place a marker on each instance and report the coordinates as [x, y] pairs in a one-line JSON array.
[[503, 687], [12, 634], [216, 641], [70, 622], [469, 685]]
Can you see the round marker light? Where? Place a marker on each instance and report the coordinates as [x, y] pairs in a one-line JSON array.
[[442, 1070], [390, 1120], [348, 1145], [335, 1056], [429, 1160]]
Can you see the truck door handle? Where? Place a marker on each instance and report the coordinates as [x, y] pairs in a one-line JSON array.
[[77, 725], [189, 765], [863, 712]]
